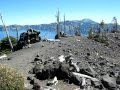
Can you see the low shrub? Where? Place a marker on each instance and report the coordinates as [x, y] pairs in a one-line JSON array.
[[101, 39], [5, 43], [10, 79], [5, 46], [90, 34], [6, 51]]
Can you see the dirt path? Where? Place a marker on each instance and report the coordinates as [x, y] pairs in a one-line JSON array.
[[21, 60]]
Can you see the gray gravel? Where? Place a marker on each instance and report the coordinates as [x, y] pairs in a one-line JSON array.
[[79, 47]]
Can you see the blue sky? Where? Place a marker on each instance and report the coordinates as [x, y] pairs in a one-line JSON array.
[[43, 11]]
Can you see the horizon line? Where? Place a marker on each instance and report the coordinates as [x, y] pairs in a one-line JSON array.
[[55, 22]]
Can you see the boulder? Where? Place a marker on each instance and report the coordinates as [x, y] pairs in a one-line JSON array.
[[57, 37], [38, 68], [30, 78], [36, 86], [109, 82], [27, 38], [38, 59], [118, 79], [46, 70]]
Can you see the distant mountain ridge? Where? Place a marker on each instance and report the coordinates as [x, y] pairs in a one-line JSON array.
[[85, 25]]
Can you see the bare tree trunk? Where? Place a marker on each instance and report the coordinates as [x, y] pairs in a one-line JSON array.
[[64, 25], [70, 30], [17, 33], [7, 34], [58, 24]]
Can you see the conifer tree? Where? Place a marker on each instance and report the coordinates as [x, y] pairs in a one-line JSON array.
[[115, 25], [90, 33]]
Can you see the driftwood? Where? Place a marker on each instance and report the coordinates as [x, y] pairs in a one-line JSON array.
[[61, 58], [85, 76], [3, 56], [83, 81], [86, 84], [76, 66]]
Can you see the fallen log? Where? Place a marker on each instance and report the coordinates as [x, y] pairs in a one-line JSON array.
[[85, 76], [95, 81]]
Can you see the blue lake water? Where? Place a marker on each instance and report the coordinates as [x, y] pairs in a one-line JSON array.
[[43, 33], [49, 34]]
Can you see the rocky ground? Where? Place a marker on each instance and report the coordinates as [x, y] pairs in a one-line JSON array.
[[78, 63]]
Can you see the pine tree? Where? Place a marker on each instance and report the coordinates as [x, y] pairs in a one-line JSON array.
[[77, 30], [102, 28], [115, 25], [90, 33]]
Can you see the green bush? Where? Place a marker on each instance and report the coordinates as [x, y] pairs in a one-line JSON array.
[[5, 42], [101, 39], [6, 51], [90, 34], [10, 79], [115, 31]]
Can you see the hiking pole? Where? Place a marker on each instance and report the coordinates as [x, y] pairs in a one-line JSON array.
[[11, 46]]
